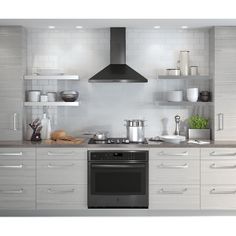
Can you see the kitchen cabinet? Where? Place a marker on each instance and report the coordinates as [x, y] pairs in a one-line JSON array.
[[174, 178], [12, 69], [222, 60], [218, 178], [61, 178]]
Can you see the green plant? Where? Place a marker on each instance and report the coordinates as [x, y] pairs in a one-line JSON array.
[[198, 122]]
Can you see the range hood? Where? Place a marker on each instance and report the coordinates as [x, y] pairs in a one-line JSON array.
[[117, 71]]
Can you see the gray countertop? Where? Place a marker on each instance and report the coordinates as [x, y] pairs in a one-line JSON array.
[[29, 144]]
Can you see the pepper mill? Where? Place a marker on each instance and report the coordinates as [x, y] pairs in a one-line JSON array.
[[177, 122]]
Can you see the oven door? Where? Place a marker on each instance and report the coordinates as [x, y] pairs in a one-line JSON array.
[[121, 185]]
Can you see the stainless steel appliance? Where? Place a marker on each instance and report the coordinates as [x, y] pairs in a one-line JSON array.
[[135, 130], [113, 141], [117, 179]]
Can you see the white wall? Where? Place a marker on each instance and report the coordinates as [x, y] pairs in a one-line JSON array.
[[105, 106]]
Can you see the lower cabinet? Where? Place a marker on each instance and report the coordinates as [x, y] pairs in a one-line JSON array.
[[62, 197]]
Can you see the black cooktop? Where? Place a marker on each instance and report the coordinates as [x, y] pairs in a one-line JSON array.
[[114, 141]]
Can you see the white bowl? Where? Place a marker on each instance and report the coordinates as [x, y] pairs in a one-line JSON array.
[[173, 138]]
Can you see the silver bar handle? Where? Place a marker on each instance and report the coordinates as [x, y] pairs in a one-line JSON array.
[[181, 191], [174, 154], [15, 191], [214, 191], [12, 166], [164, 166], [11, 153], [60, 153], [53, 191], [222, 154], [118, 165], [214, 166], [59, 166], [220, 121], [15, 121]]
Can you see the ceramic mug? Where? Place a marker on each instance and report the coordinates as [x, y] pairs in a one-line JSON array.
[[192, 94]]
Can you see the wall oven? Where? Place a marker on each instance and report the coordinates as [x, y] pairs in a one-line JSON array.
[[118, 179]]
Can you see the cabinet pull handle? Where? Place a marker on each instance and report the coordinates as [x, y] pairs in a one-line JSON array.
[[181, 191], [15, 191], [11, 153], [220, 121], [184, 166], [222, 154], [53, 191], [174, 154], [214, 191], [14, 122], [12, 167], [60, 153], [60, 166], [214, 166]]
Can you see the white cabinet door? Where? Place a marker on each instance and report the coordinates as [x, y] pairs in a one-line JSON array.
[[174, 197], [218, 153]]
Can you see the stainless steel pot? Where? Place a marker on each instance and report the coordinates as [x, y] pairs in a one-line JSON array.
[[100, 136], [135, 130]]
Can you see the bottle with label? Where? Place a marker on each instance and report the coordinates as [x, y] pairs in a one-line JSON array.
[[46, 130]]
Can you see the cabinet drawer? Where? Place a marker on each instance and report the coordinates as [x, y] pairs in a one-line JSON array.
[[218, 197], [61, 197], [17, 153], [174, 197], [218, 153], [62, 153], [174, 153], [17, 172], [14, 197], [61, 172], [218, 172], [174, 171]]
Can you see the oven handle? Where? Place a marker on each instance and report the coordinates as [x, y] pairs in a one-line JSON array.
[[118, 165]]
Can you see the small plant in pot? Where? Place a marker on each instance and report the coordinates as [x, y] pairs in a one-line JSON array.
[[198, 128]]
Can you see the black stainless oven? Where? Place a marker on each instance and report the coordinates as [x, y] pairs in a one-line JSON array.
[[117, 179]]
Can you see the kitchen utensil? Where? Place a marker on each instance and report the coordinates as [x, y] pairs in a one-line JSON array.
[[173, 138], [43, 98], [175, 72], [100, 136], [184, 62], [177, 122], [36, 126], [175, 96], [135, 130], [69, 96], [52, 96], [33, 95], [192, 94], [205, 96], [193, 70]]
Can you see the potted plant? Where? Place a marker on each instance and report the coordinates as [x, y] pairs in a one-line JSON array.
[[198, 128]]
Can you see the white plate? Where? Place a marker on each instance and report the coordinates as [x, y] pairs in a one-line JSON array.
[[173, 138]]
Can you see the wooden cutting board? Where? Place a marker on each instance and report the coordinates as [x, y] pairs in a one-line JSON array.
[[61, 141]]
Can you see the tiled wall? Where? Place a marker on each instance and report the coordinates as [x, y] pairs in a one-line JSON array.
[[105, 106]]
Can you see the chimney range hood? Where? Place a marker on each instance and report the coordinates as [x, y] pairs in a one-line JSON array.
[[117, 71]]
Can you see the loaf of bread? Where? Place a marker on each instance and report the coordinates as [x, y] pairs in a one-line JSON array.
[[58, 134]]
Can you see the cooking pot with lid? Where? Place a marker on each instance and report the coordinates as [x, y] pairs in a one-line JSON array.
[[135, 130]]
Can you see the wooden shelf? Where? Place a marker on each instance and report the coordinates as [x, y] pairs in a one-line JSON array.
[[51, 77], [188, 77], [183, 103], [51, 104]]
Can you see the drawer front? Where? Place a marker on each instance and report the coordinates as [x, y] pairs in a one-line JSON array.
[[17, 172], [174, 153], [218, 172], [218, 153], [61, 197], [61, 153], [17, 153], [174, 197], [61, 172], [174, 171], [218, 197], [16, 197]]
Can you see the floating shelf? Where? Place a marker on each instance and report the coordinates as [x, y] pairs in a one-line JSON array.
[[51, 104], [51, 77], [183, 103], [187, 77]]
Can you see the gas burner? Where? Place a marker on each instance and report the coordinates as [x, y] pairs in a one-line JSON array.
[[113, 141]]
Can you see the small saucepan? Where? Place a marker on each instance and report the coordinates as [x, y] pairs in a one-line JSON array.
[[100, 136]]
